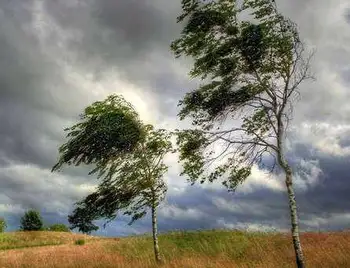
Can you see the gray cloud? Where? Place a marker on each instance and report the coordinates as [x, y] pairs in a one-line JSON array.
[[347, 15]]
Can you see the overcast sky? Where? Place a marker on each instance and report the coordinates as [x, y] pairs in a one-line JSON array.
[[58, 56]]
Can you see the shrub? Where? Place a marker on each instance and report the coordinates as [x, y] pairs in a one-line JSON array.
[[59, 227], [31, 221], [45, 228], [80, 242], [3, 225]]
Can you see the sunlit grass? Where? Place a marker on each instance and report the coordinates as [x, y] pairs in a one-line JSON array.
[[220, 248], [35, 238]]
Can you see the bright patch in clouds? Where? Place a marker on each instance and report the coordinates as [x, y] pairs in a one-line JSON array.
[[325, 137], [174, 212]]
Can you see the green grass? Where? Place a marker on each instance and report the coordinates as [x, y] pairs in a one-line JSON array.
[[33, 239], [211, 243], [208, 248], [79, 242], [245, 249]]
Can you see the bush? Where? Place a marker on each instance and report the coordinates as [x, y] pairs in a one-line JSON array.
[[45, 228], [3, 225], [80, 242], [31, 221], [58, 227]]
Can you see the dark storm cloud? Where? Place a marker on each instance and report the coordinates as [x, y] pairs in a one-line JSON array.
[[120, 33], [31, 115], [132, 36], [322, 207], [347, 15], [332, 193], [35, 188], [24, 138]]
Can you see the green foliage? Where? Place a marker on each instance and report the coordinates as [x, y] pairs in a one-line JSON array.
[[130, 183], [45, 228], [191, 143], [127, 156], [107, 128], [31, 221], [82, 218], [229, 52], [3, 225], [79, 242], [58, 227], [251, 70]]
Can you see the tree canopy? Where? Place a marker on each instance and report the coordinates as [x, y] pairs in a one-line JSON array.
[[31, 221], [106, 128], [251, 71], [130, 183], [127, 156], [252, 61]]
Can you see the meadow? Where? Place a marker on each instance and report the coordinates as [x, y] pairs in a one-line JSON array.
[[211, 248]]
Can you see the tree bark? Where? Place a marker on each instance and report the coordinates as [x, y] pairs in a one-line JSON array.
[[294, 220], [300, 262], [155, 234]]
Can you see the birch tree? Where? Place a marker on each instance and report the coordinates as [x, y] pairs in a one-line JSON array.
[[251, 70], [131, 172]]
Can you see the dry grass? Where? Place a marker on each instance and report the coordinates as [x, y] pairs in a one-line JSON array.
[[181, 249], [34, 239]]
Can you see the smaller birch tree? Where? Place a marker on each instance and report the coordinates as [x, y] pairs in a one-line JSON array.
[[131, 184], [128, 159]]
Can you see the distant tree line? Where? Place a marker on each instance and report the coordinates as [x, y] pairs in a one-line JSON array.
[[32, 221]]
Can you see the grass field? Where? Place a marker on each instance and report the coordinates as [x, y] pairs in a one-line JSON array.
[[179, 249]]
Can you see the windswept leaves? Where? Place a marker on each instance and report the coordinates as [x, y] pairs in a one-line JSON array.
[[82, 219], [251, 67], [234, 56], [131, 182], [107, 129], [212, 100], [191, 144]]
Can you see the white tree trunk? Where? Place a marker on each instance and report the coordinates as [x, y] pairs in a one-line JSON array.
[[155, 234], [291, 196], [294, 220]]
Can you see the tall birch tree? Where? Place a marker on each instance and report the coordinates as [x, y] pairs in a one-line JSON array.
[[251, 61]]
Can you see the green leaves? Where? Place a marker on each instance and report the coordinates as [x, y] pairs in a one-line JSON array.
[[256, 123], [108, 128], [82, 218], [237, 176], [235, 55], [204, 21], [31, 221], [128, 159], [250, 68], [3, 224], [191, 144], [252, 45]]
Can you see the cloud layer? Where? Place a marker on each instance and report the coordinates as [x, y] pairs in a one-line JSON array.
[[57, 57]]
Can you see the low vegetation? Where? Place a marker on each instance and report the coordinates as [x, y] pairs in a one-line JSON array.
[[3, 225], [58, 227], [216, 248], [80, 242], [13, 240]]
